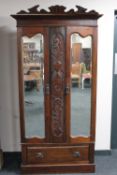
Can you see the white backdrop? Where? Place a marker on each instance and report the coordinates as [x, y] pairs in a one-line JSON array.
[[9, 113]]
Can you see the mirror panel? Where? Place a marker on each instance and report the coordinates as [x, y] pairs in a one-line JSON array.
[[81, 73], [33, 76]]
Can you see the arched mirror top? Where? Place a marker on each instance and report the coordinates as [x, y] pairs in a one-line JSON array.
[[83, 31], [78, 35], [82, 35], [31, 36], [32, 31]]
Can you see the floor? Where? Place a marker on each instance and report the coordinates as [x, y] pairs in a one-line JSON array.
[[105, 165]]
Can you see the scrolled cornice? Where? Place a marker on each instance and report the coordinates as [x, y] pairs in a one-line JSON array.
[[60, 11]]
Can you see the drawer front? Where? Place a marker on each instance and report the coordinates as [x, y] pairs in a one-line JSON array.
[[57, 154]]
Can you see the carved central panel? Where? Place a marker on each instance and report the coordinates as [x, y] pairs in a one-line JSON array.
[[57, 59]]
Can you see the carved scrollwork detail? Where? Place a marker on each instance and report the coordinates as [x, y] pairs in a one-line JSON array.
[[33, 9], [57, 56], [57, 9], [80, 9], [57, 116], [61, 10]]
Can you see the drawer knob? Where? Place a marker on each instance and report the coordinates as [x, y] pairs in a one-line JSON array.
[[76, 154], [40, 155]]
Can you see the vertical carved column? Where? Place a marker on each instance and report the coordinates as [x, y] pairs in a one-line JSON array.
[[57, 67]]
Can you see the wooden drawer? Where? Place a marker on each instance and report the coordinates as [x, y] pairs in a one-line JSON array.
[[57, 154]]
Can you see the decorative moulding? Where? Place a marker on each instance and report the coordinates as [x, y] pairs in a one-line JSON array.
[[60, 11]]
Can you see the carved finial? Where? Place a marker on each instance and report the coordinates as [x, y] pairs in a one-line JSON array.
[[81, 9], [93, 12], [22, 12], [71, 11], [57, 9], [33, 9], [43, 11]]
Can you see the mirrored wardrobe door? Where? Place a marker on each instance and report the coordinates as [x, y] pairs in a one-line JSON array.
[[33, 80], [81, 75], [82, 82]]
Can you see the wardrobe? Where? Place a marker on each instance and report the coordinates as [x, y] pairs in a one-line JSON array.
[[57, 91]]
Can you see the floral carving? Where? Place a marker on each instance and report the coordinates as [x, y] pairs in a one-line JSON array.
[[57, 81]]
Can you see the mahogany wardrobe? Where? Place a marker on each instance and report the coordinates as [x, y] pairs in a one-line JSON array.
[[57, 63]]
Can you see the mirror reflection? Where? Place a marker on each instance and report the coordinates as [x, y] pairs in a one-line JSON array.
[[33, 74], [81, 68]]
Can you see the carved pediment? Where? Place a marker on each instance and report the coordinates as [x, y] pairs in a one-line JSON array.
[[61, 11]]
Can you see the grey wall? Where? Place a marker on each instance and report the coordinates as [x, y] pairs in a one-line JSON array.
[[114, 100], [8, 85]]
